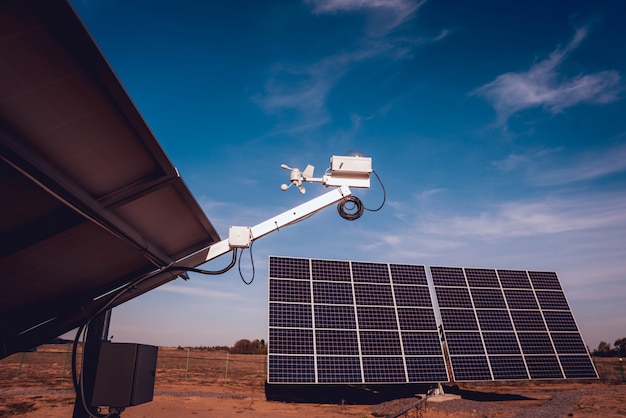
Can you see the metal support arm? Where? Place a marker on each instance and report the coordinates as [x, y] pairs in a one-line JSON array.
[[260, 230]]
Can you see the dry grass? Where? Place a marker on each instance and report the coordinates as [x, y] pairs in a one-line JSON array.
[[40, 384]]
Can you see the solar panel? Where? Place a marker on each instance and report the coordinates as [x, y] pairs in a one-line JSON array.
[[508, 325], [351, 322]]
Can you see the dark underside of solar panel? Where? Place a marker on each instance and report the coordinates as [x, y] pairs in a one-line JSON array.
[[342, 322], [508, 325]]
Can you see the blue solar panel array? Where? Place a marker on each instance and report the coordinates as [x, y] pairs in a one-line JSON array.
[[351, 322], [508, 325], [347, 322]]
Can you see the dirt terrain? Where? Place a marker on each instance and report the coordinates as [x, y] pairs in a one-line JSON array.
[[193, 383]]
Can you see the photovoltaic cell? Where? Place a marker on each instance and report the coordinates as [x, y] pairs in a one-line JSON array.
[[408, 274], [415, 296], [351, 322], [508, 367], [544, 280], [525, 326]]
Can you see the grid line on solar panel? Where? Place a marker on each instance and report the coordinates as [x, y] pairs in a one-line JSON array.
[[291, 369], [543, 367], [453, 297], [370, 272], [501, 343], [336, 317], [293, 315], [551, 300], [488, 298], [294, 268], [470, 368], [458, 319], [568, 343], [448, 276], [535, 343], [421, 343], [339, 370], [408, 274], [528, 320], [384, 370], [368, 294], [330, 270], [560, 321], [426, 369], [290, 291], [520, 299], [380, 343], [336, 342], [514, 279], [545, 280], [332, 293], [416, 296], [291, 341], [578, 367], [464, 343], [416, 319], [494, 320], [482, 277], [508, 367]]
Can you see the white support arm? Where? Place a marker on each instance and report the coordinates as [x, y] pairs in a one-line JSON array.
[[242, 236]]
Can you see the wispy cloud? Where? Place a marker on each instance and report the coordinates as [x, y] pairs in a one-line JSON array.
[[388, 14], [591, 164], [543, 86], [523, 219], [304, 88]]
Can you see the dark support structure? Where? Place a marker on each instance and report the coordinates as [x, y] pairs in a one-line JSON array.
[[95, 336]]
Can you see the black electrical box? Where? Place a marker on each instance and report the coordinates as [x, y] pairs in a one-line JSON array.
[[125, 374]]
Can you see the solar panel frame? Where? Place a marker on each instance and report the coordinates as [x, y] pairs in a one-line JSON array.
[[370, 323]]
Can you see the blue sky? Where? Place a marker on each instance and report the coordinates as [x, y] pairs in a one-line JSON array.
[[497, 128]]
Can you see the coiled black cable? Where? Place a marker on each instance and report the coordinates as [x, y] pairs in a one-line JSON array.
[[350, 208]]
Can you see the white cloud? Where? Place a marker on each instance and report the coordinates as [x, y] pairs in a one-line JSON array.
[[304, 88], [523, 219], [389, 13], [543, 86], [587, 165]]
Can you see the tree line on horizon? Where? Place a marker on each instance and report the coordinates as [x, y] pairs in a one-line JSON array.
[[605, 350], [243, 346]]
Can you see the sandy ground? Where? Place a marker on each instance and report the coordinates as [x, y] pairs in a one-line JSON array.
[[201, 384], [572, 399]]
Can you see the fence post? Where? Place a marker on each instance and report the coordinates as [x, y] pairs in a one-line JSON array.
[[67, 354], [226, 372], [187, 367], [19, 369]]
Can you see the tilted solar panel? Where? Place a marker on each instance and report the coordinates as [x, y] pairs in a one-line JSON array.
[[333, 322], [508, 325]]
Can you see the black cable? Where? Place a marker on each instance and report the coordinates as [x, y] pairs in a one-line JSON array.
[[210, 273], [74, 353], [251, 261], [350, 208], [384, 194]]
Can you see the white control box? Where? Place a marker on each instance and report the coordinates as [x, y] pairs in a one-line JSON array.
[[239, 236], [346, 164]]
